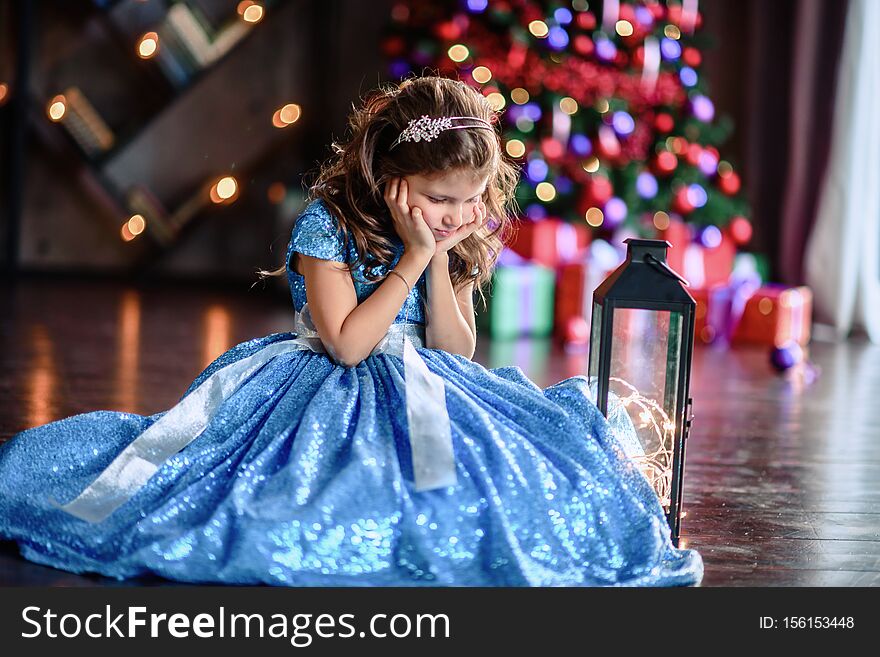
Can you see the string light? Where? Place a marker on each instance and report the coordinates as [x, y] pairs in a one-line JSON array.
[[253, 13], [539, 29], [126, 233], [519, 96], [594, 217], [458, 53], [136, 224], [568, 105], [515, 148], [591, 165], [276, 193], [661, 220], [602, 106], [672, 32], [224, 190], [545, 191], [4, 91], [57, 108], [496, 100], [481, 74], [148, 45], [624, 28], [287, 115]]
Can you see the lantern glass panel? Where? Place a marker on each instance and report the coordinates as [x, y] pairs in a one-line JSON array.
[[595, 339], [644, 376]]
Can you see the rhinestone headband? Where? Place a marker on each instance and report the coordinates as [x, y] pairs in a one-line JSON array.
[[428, 129]]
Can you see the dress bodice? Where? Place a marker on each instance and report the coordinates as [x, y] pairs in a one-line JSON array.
[[316, 233]]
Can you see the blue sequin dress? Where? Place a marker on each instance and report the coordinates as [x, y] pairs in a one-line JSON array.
[[299, 471]]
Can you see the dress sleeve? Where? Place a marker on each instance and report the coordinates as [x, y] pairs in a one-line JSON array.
[[316, 233]]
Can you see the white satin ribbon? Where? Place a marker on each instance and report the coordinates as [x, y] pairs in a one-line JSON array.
[[429, 427]]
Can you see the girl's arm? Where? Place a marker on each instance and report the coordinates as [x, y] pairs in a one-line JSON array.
[[348, 330], [450, 321]]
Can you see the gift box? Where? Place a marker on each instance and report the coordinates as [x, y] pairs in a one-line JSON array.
[[550, 241], [774, 315], [701, 266], [520, 300]]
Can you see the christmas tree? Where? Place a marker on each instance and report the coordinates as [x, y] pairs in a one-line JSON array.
[[604, 106]]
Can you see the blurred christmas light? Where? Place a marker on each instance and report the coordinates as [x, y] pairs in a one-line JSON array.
[[224, 190], [148, 45], [581, 145], [646, 185], [605, 48], [591, 165], [136, 224], [536, 211], [126, 233], [568, 105], [481, 74], [539, 29], [519, 96], [688, 76], [545, 191], [615, 212], [710, 237], [458, 53], [580, 5], [740, 230], [524, 124], [708, 163], [602, 106], [552, 149], [276, 192], [477, 5], [253, 14], [563, 16], [666, 162], [557, 37], [242, 6], [724, 168], [515, 148], [496, 100], [286, 115], [532, 111], [672, 32], [644, 16], [400, 13], [594, 217], [670, 49], [702, 108], [624, 28], [623, 123], [537, 170], [697, 196], [563, 185], [661, 220], [4, 92], [57, 108]]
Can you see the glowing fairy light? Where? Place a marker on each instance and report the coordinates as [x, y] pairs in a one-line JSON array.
[[148, 45], [519, 96], [136, 224], [481, 74], [539, 29], [224, 190], [458, 53], [253, 14], [591, 165], [496, 100], [661, 220], [672, 32], [286, 115], [595, 217], [602, 106], [545, 191], [568, 105], [57, 108], [515, 148], [624, 28]]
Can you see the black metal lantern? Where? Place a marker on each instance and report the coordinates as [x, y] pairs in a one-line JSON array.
[[641, 342]]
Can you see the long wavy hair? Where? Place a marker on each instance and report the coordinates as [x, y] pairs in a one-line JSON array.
[[352, 181]]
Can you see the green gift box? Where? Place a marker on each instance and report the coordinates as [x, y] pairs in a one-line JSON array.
[[520, 302]]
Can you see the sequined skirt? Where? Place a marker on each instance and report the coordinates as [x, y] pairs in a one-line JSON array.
[[303, 476]]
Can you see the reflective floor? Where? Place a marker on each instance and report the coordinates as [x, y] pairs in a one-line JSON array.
[[782, 482]]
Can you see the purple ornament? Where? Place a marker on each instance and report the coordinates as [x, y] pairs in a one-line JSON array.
[[697, 196], [688, 76], [702, 108], [536, 170], [786, 356], [477, 5], [557, 37], [581, 145], [615, 212], [623, 123], [670, 48], [710, 237], [646, 185], [605, 49], [563, 16]]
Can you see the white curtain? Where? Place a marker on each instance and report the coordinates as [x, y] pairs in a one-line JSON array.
[[843, 252]]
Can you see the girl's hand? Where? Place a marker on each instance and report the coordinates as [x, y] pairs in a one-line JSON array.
[[465, 230], [413, 230]]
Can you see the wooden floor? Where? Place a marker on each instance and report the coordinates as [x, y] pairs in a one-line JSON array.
[[782, 485]]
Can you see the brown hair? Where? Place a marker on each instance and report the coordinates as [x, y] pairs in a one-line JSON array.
[[351, 183]]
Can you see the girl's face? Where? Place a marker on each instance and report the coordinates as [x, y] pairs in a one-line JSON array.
[[447, 200]]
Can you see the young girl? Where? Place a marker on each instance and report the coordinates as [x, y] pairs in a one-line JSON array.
[[366, 448]]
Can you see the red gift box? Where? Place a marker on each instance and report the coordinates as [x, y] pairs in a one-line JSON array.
[[774, 315], [575, 283], [703, 267], [550, 242]]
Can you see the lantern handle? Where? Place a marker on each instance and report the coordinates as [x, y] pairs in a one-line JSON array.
[[665, 269]]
